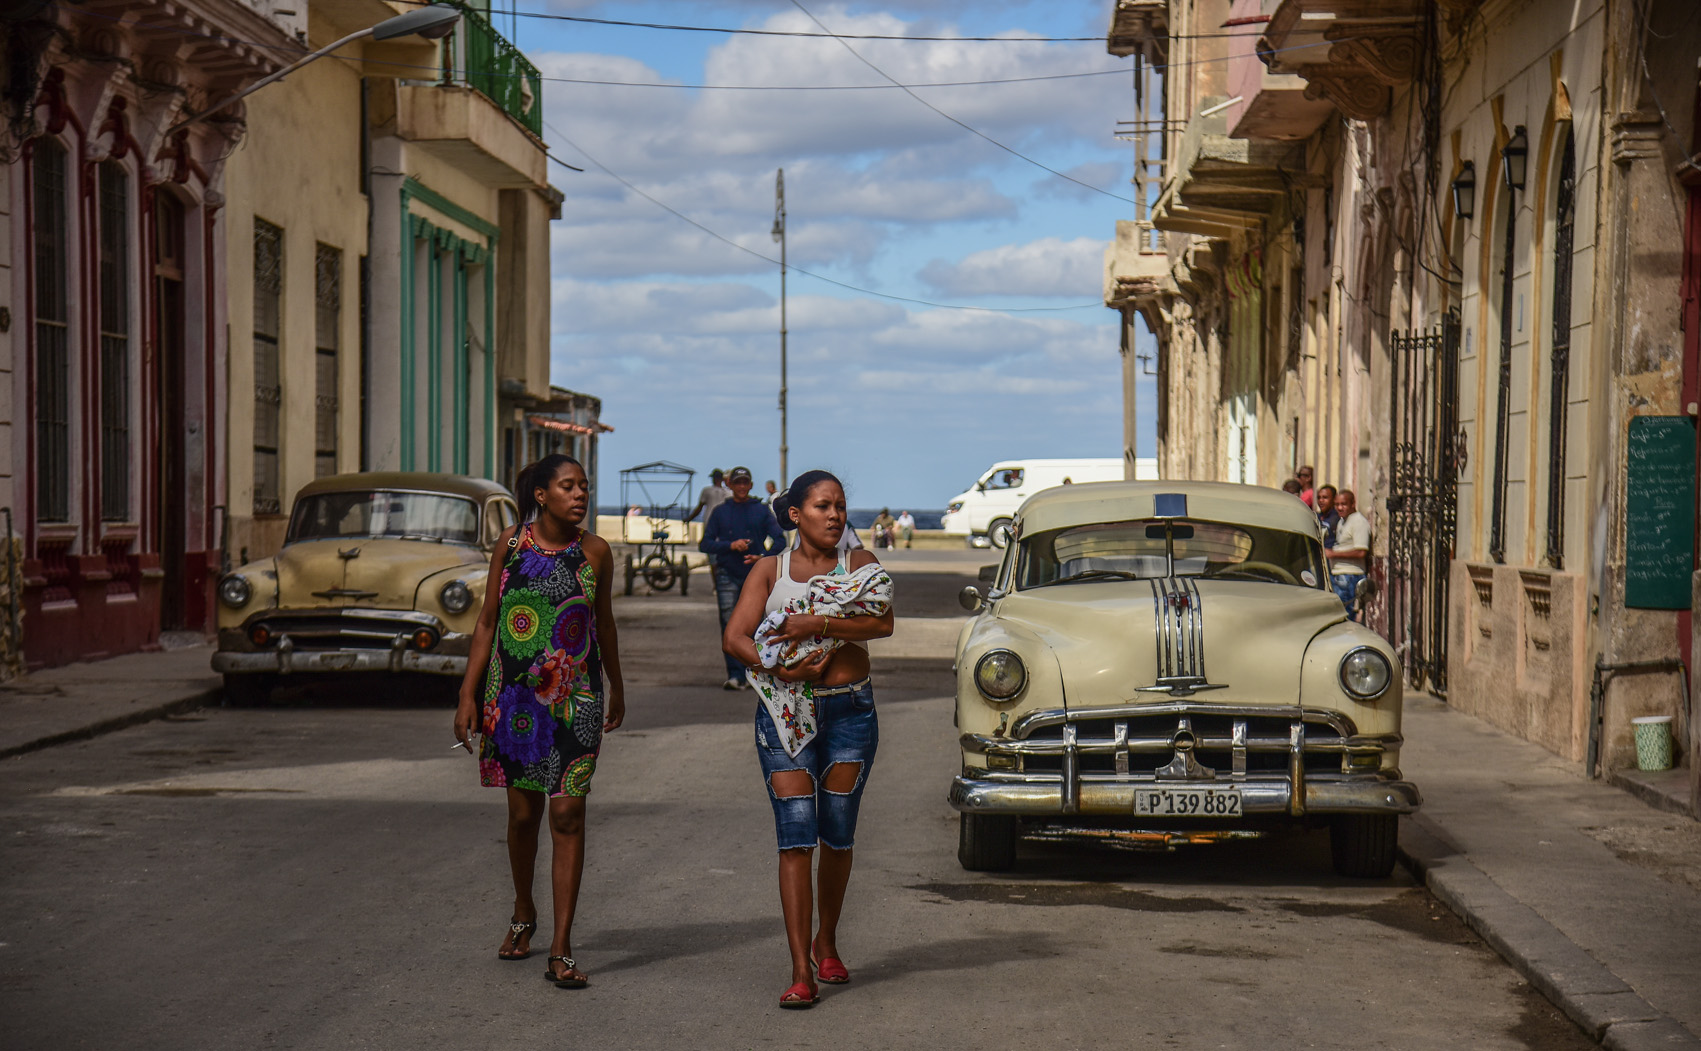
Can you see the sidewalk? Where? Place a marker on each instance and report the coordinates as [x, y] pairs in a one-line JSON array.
[[81, 700], [1589, 892]]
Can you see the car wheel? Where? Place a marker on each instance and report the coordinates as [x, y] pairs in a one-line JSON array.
[[1363, 844], [247, 691], [986, 842], [658, 572], [999, 533]]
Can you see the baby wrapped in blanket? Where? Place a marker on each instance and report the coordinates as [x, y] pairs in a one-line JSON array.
[[865, 592]]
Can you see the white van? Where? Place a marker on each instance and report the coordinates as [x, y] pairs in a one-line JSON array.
[[986, 510]]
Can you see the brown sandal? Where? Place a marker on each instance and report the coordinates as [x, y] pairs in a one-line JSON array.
[[517, 929]]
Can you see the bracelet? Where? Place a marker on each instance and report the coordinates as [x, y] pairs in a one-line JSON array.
[[826, 627]]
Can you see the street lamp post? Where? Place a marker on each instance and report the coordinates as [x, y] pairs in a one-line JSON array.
[[430, 22], [780, 236]]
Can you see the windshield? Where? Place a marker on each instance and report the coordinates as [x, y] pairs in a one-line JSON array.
[[378, 512], [1142, 550]]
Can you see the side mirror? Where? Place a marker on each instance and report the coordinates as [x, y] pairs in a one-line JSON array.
[[1363, 589], [988, 573], [969, 598]]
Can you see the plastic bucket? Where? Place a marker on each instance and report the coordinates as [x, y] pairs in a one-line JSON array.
[[1653, 742]]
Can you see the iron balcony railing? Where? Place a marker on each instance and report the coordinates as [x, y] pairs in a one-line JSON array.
[[476, 55]]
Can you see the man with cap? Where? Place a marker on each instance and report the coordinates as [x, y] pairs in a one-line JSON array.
[[737, 534]]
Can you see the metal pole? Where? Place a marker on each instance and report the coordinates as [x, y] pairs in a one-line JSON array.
[[780, 236]]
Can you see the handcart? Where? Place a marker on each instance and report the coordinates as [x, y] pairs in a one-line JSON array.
[[659, 492]]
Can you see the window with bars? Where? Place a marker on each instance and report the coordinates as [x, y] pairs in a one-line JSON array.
[[268, 383], [1503, 404], [114, 342], [52, 334], [1565, 215], [328, 310]]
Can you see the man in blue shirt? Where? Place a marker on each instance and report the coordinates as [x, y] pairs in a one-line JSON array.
[[738, 533]]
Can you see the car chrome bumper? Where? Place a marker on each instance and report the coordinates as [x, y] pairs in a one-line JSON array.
[[1040, 795], [286, 661], [1116, 736]]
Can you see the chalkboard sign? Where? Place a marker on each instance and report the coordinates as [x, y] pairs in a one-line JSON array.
[[1659, 534]]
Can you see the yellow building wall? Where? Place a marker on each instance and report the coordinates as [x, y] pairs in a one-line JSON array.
[[298, 168]]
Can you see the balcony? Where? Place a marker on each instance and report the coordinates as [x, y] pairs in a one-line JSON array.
[[1136, 265], [477, 56], [1270, 105], [1136, 25], [1224, 184], [1351, 53]]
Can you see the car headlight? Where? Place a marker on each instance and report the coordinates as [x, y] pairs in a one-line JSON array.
[[1365, 673], [999, 675], [955, 506], [235, 591], [456, 596]]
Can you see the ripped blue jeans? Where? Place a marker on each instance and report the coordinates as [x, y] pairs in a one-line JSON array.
[[848, 732]]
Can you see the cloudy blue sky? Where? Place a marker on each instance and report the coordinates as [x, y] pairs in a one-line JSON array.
[[677, 332]]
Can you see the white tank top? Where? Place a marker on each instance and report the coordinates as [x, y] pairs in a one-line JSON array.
[[786, 589]]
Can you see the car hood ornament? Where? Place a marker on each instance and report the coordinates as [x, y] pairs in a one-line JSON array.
[[1179, 625]]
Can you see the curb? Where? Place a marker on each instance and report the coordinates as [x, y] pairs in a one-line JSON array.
[[1600, 1002], [189, 703]]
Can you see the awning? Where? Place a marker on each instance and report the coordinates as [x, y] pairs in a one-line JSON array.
[[561, 425]]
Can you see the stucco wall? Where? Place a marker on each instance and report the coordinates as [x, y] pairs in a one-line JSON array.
[[314, 195]]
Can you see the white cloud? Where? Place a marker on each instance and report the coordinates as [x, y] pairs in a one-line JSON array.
[[1049, 266]]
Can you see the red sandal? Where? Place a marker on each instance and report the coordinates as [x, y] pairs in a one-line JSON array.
[[829, 969], [801, 996]]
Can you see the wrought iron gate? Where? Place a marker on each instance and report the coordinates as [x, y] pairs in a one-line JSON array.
[[1427, 451]]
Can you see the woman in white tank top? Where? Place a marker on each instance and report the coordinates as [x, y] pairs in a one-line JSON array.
[[816, 793]]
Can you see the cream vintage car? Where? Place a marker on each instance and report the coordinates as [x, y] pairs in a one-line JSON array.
[[1167, 656], [379, 572]]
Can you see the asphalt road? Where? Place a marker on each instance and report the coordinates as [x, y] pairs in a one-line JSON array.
[[324, 873]]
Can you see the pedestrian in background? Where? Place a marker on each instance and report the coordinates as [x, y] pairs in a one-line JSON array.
[[713, 495], [1291, 486], [885, 528], [1349, 552], [815, 792], [1327, 516], [1306, 478], [544, 642], [906, 525], [773, 491], [738, 533]]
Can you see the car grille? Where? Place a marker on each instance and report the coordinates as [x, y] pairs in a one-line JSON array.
[[334, 630], [1139, 744]]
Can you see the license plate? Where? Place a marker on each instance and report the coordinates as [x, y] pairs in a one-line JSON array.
[[1187, 802]]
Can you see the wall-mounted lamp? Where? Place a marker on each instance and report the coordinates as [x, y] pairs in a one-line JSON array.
[[1516, 154], [1465, 191]]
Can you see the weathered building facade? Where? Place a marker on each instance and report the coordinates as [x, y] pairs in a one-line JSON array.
[[1435, 250], [112, 323], [396, 274]]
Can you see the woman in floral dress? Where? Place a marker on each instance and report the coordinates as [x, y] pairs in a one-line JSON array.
[[534, 690]]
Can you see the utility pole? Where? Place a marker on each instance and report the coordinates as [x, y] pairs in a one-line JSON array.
[[780, 236]]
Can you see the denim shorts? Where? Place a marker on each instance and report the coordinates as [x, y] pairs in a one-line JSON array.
[[848, 732]]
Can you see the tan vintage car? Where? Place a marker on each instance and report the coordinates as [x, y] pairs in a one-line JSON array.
[[379, 572], [1167, 657]]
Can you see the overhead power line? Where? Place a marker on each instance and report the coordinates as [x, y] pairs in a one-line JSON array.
[[740, 31], [677, 214], [972, 130]]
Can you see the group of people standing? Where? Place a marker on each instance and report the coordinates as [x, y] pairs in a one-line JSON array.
[[1346, 534], [796, 617]]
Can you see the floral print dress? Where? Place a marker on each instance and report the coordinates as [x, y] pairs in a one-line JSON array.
[[542, 718]]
